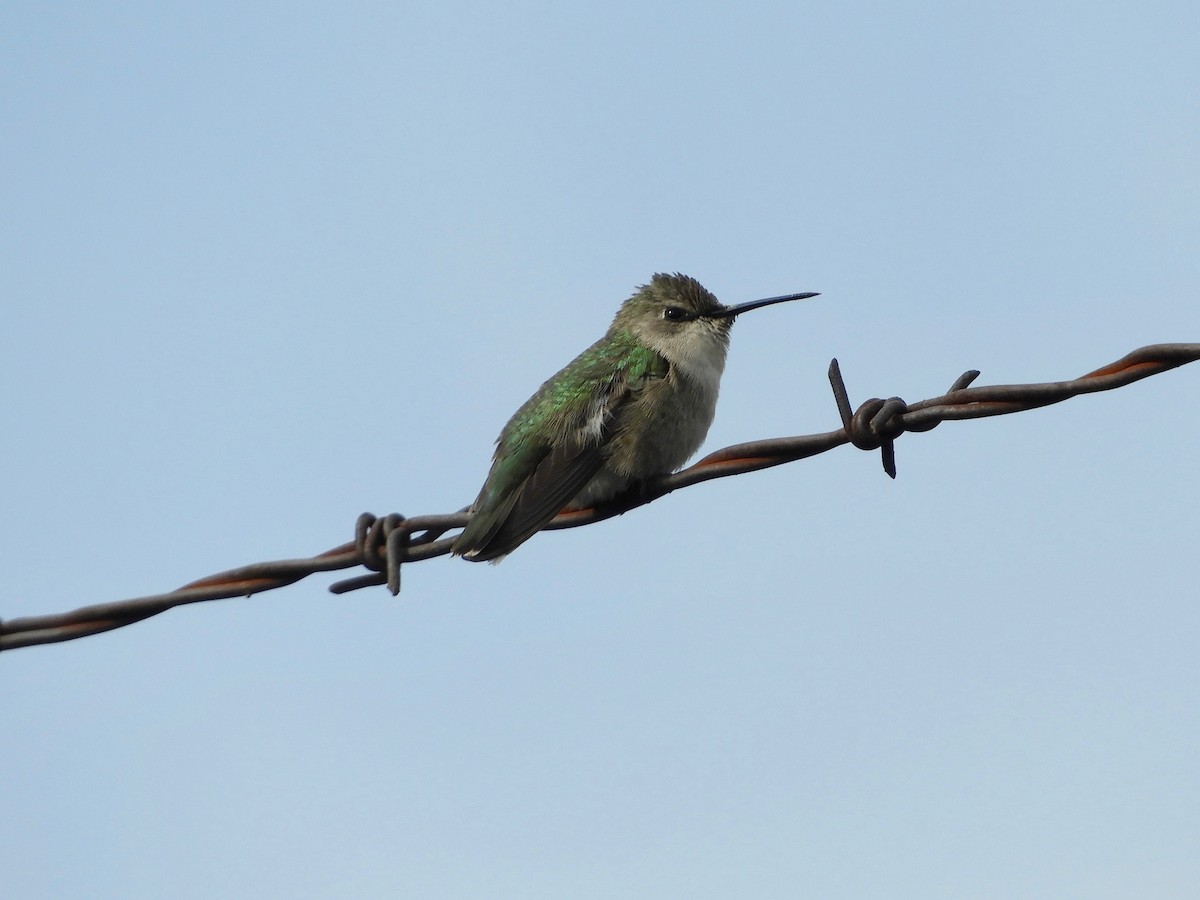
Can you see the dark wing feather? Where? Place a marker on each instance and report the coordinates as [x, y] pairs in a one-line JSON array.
[[560, 475]]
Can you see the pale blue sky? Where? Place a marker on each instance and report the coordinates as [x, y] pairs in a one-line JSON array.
[[267, 266]]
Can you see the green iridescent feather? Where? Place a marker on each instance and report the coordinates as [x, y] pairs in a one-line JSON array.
[[554, 444]]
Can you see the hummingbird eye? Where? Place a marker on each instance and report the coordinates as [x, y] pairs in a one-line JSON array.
[[676, 314]]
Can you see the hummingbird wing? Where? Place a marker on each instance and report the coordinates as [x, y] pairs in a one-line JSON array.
[[552, 448]]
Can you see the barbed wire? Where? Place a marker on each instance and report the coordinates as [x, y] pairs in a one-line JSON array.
[[382, 545]]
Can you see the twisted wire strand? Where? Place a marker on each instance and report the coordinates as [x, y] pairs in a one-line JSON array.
[[383, 545]]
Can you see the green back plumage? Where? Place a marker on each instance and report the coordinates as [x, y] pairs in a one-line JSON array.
[[553, 445], [563, 402]]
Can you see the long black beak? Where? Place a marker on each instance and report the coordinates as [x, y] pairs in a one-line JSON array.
[[730, 311]]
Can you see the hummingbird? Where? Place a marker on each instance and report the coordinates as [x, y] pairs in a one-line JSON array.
[[635, 404]]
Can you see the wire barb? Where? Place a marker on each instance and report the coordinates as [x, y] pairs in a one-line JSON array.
[[383, 545], [874, 425]]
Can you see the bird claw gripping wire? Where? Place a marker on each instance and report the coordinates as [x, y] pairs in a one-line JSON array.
[[877, 423]]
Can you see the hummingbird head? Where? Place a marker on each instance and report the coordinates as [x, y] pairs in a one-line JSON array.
[[682, 320]]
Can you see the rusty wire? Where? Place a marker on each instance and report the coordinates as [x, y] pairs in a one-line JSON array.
[[382, 545]]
